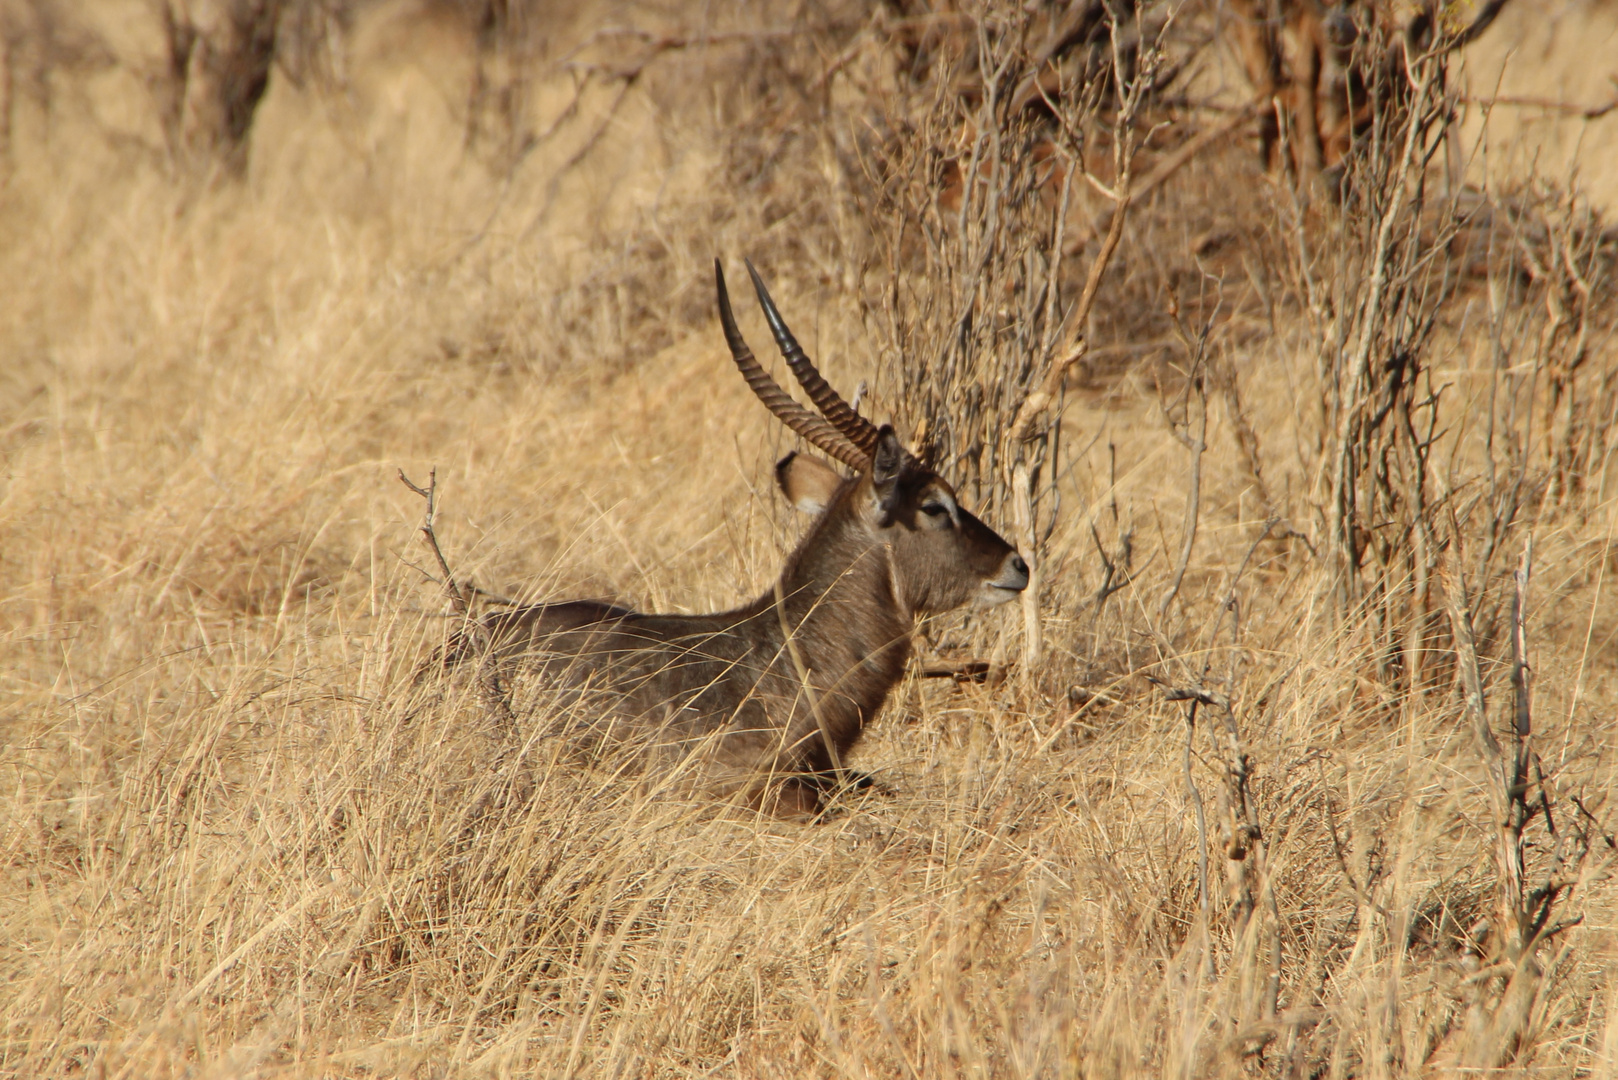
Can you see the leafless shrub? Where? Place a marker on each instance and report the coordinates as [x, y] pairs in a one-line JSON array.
[[1374, 292], [1566, 294], [1531, 890], [971, 198], [1397, 267]]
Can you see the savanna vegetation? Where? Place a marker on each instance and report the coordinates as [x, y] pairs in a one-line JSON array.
[[1278, 336]]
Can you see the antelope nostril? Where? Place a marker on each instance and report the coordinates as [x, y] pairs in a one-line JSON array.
[[1018, 565]]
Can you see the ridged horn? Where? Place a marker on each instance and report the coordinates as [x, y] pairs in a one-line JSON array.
[[854, 427], [817, 431]]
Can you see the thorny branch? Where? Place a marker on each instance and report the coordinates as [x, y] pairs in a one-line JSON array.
[[492, 694], [1116, 575], [1246, 857], [429, 536], [1360, 892], [1195, 439]]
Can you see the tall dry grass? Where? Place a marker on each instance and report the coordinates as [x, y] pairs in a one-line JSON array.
[[240, 838]]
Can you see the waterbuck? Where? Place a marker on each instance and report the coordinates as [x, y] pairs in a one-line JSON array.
[[771, 696]]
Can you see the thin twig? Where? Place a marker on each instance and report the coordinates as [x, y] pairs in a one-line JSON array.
[[1586, 112], [430, 538], [1202, 818], [1165, 169], [493, 695], [1196, 444]]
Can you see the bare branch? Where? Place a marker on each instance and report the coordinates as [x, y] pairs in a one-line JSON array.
[[1585, 112], [493, 695], [430, 537]]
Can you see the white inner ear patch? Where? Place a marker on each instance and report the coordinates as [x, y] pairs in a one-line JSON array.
[[809, 484], [809, 503]]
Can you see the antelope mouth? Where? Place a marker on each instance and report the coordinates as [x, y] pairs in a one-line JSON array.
[[994, 593], [1013, 579]]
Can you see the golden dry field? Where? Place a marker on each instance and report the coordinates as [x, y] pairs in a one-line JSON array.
[[1291, 789]]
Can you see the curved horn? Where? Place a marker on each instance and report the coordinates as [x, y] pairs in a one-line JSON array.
[[854, 427], [778, 401]]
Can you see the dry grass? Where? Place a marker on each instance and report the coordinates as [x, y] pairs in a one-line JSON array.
[[239, 840]]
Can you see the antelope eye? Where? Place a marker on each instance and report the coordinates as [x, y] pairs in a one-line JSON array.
[[935, 510]]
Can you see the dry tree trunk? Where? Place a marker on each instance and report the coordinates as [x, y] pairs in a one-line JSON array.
[[29, 46], [495, 117], [1316, 63], [8, 84], [220, 53]]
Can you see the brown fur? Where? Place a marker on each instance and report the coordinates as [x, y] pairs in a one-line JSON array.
[[889, 545]]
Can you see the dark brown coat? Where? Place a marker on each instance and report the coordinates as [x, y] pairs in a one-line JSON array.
[[773, 695]]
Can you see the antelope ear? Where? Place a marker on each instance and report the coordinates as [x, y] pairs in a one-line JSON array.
[[808, 483], [886, 465]]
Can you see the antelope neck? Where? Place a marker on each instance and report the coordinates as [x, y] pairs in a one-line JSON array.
[[840, 595]]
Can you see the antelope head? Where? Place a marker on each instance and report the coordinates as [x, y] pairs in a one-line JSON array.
[[941, 555]]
